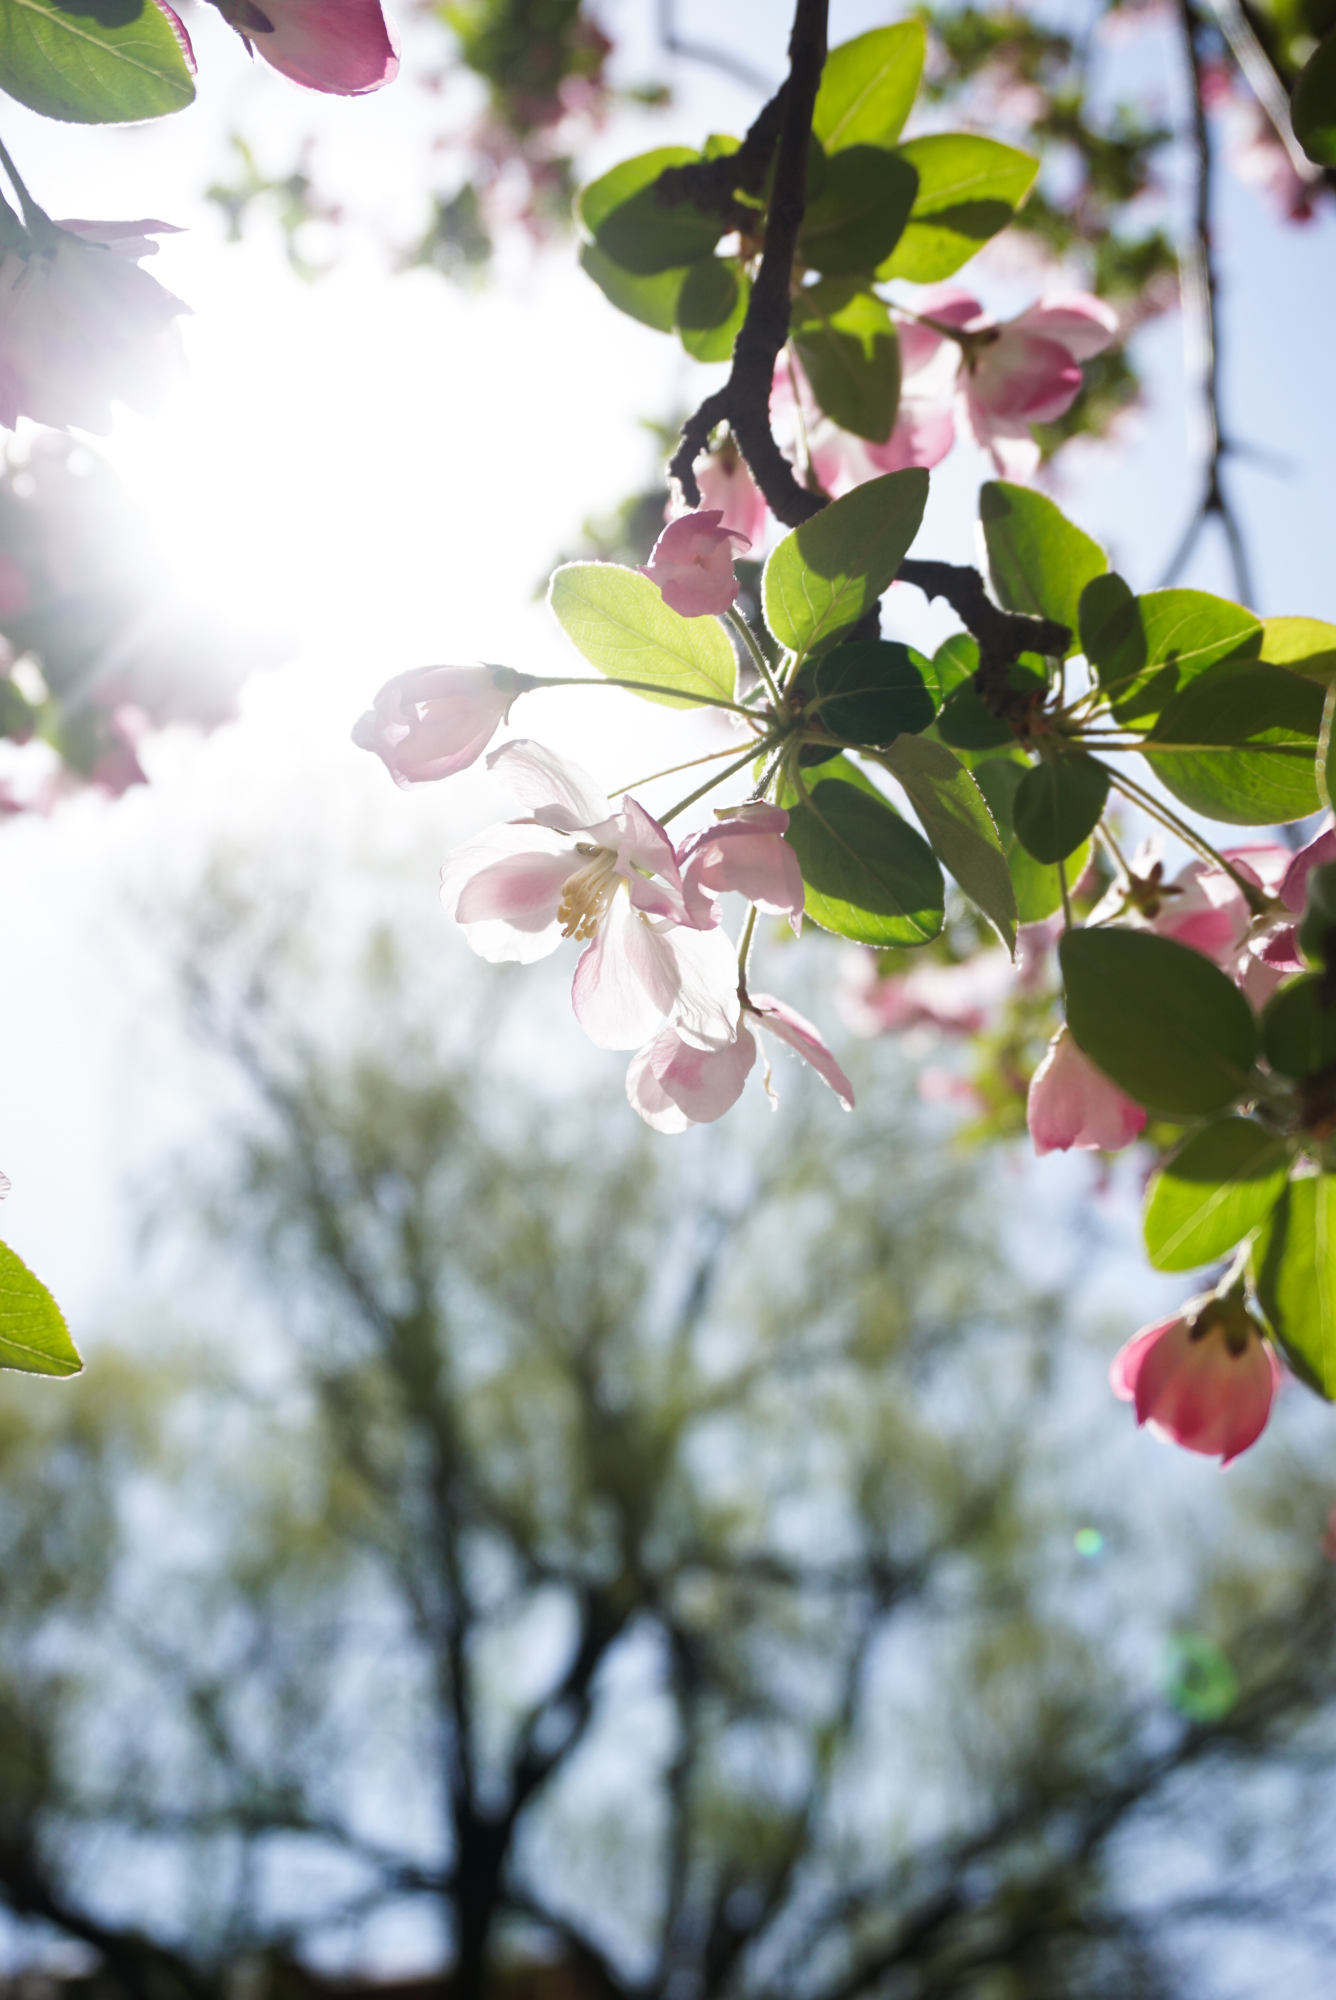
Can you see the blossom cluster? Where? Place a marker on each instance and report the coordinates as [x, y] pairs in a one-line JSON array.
[[657, 974], [964, 374]]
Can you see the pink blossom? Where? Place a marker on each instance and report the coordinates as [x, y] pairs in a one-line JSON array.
[[342, 47], [1073, 1104], [117, 767], [517, 890], [81, 325], [1021, 371], [692, 564], [673, 1084], [1320, 850], [747, 854], [1204, 1379], [923, 433], [728, 489], [433, 721]]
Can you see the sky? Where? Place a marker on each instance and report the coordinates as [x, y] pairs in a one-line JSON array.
[[381, 468]]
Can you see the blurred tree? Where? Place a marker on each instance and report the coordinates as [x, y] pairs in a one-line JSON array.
[[553, 1546]]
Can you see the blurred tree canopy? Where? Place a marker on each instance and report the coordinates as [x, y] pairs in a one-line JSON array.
[[552, 1547]]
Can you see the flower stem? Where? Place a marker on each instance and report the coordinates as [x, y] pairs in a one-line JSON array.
[[708, 786], [531, 681], [1066, 899], [749, 640], [1257, 899], [744, 952], [32, 214], [711, 757]]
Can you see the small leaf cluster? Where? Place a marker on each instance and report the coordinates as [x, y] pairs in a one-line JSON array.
[[679, 255]]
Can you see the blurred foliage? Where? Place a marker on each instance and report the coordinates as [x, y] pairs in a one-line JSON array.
[[292, 199], [550, 1544]]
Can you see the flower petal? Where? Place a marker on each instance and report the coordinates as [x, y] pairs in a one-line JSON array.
[[789, 1026], [557, 792]]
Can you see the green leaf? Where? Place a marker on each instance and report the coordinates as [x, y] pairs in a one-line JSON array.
[[1298, 1030], [1294, 1267], [653, 301], [969, 188], [621, 624], [827, 573], [633, 228], [1039, 560], [33, 1334], [1158, 1018], [1058, 803], [871, 691], [1183, 632], [1314, 104], [1221, 1183], [860, 214], [1304, 645], [868, 86], [1109, 624], [956, 660], [1038, 888], [93, 62], [711, 307], [966, 723], [869, 875], [955, 816], [1243, 706], [850, 355]]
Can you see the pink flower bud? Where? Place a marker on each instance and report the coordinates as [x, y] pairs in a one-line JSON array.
[[1204, 1379], [1071, 1103], [727, 487], [342, 47], [434, 721], [692, 564]]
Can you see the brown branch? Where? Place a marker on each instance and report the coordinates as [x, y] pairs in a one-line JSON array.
[[1002, 635], [744, 400], [1200, 284], [713, 185]]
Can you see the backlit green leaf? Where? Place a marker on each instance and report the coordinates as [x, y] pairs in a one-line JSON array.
[[1294, 1266], [868, 86], [1242, 706], [1299, 1029], [711, 307], [621, 624], [1182, 633], [1039, 561], [859, 216], [871, 691], [653, 301], [827, 573], [1038, 888], [623, 215], [850, 355], [869, 875], [955, 816], [1314, 104], [969, 188], [1058, 803], [1304, 645], [33, 1334], [1158, 1018], [93, 62], [1221, 1183]]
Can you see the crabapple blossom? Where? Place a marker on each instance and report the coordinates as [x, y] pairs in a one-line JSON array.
[[341, 47], [521, 888], [923, 433], [1021, 371], [1204, 1379], [692, 564], [81, 325], [434, 721], [747, 853], [673, 1084], [1073, 1104]]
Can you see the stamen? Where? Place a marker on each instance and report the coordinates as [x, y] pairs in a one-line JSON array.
[[587, 894]]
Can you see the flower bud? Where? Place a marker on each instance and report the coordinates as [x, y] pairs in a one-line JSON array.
[[1204, 1379], [692, 564], [434, 721], [1071, 1103]]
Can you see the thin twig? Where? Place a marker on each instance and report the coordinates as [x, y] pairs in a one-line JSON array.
[[700, 52], [1201, 334]]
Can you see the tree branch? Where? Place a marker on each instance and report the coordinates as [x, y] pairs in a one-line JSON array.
[[744, 400], [1201, 333], [713, 184]]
